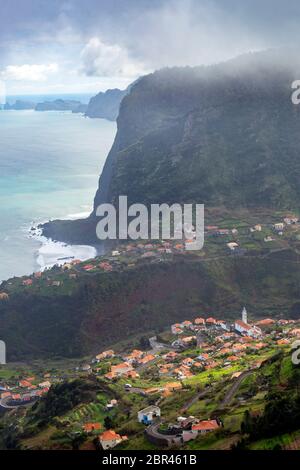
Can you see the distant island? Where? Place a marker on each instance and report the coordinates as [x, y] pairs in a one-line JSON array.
[[104, 105], [61, 105]]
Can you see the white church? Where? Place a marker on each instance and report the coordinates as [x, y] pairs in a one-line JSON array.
[[244, 328]]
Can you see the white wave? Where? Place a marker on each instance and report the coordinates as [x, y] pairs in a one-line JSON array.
[[55, 253]]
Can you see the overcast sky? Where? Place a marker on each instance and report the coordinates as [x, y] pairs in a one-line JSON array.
[[57, 46]]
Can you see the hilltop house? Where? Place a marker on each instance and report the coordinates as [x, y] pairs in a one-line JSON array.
[[110, 439], [147, 415]]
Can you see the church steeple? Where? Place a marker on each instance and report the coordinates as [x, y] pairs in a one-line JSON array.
[[244, 315]]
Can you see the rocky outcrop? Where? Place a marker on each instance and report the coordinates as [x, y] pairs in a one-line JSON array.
[[106, 104]]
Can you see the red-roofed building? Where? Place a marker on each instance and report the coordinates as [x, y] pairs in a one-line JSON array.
[[91, 427], [199, 321], [88, 267], [206, 426], [110, 439], [265, 322]]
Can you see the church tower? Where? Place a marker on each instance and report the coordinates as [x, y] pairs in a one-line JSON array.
[[244, 315]]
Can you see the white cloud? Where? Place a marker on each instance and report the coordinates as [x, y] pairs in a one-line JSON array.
[[108, 60], [28, 73]]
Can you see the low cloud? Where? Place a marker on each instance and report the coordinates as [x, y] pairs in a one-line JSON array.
[[100, 59], [28, 73]]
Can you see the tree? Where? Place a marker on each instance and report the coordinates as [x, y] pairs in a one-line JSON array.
[[108, 423]]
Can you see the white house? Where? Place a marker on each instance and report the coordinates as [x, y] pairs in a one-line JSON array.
[[147, 415], [110, 439]]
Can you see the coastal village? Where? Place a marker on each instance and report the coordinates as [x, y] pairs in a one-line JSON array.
[[186, 361], [242, 238]]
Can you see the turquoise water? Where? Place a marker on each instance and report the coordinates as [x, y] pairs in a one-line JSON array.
[[49, 168]]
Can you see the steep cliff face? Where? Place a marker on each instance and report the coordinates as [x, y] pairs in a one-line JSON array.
[[222, 135], [225, 135]]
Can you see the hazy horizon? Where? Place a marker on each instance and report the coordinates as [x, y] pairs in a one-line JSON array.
[[61, 47]]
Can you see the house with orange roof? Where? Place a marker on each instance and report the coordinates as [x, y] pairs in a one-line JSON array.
[[173, 386], [16, 396], [176, 329], [88, 267], [295, 332], [265, 322], [132, 374], [46, 384], [24, 384], [134, 356], [237, 347], [110, 439], [211, 365], [198, 365], [211, 321], [27, 282], [91, 427], [224, 351], [182, 372], [170, 356], [188, 361], [199, 321], [205, 426], [110, 375], [146, 359], [246, 339], [121, 369], [5, 395], [259, 346], [232, 358], [188, 339], [105, 355], [283, 342]]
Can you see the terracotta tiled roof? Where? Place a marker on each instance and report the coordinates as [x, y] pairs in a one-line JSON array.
[[209, 425]]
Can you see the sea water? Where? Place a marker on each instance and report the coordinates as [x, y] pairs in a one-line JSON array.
[[49, 168]]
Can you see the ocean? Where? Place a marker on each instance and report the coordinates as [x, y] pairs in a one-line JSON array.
[[50, 164]]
